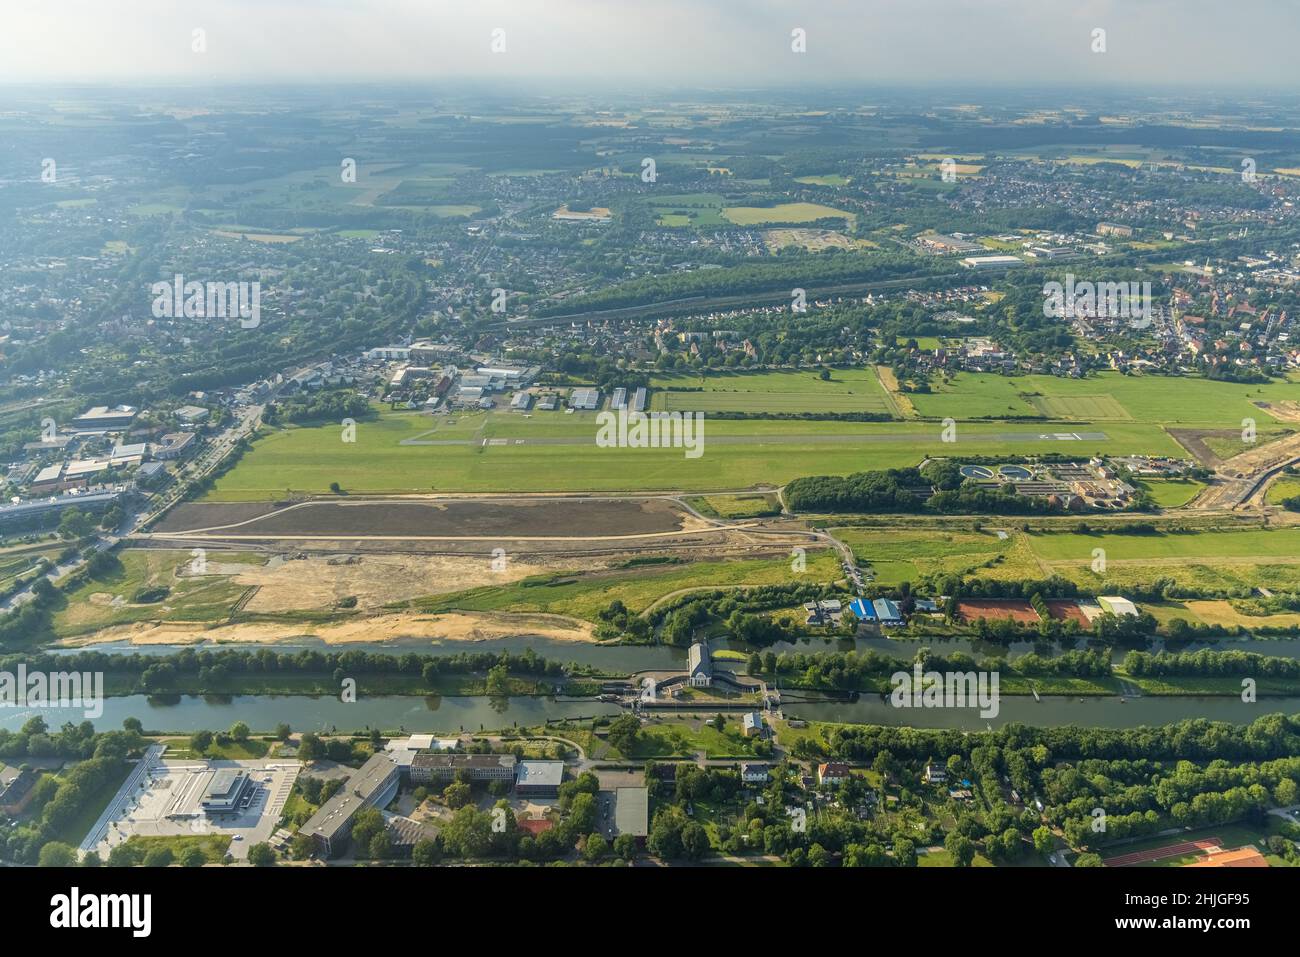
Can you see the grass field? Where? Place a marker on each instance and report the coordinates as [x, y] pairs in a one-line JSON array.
[[782, 213], [1208, 545], [734, 507], [1159, 400], [737, 454], [899, 555], [847, 390], [826, 179], [1172, 493], [1285, 487], [101, 603], [1244, 559], [586, 595]]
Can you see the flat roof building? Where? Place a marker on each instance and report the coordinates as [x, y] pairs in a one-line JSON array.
[[991, 262], [103, 419], [632, 812], [226, 792], [428, 766], [539, 778], [373, 785]]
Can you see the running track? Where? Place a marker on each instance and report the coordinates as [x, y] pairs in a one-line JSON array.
[[1155, 854]]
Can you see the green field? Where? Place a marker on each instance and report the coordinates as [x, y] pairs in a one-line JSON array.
[[1172, 493], [737, 454], [1251, 543], [101, 603], [736, 506], [847, 390], [1219, 560], [586, 595], [826, 179], [1285, 487], [782, 213], [1160, 400], [898, 555]]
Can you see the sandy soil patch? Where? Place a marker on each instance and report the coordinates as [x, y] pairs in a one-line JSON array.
[[376, 580], [456, 626]]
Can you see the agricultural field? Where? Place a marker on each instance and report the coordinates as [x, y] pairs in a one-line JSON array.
[[783, 213], [826, 179]]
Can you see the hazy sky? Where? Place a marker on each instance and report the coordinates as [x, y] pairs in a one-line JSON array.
[[1198, 43]]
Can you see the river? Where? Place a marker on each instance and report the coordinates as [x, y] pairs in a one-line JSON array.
[[457, 713]]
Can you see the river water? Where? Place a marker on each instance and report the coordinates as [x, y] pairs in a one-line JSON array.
[[457, 713]]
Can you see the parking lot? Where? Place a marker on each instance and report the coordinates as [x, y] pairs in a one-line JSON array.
[[166, 802]]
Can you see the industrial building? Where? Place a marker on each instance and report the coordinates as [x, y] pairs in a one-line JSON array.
[[584, 400], [991, 262]]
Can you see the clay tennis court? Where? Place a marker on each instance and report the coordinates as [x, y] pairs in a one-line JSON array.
[[1067, 611], [1160, 853], [1014, 608]]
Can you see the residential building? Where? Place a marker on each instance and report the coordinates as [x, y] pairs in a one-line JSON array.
[[832, 773], [753, 773]]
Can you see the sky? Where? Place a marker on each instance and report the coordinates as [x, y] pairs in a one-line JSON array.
[[1197, 44]]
